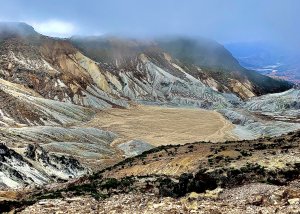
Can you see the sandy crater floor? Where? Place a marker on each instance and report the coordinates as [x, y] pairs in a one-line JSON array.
[[163, 125]]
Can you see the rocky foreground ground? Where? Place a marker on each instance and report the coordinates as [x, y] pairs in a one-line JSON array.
[[252, 198], [258, 176]]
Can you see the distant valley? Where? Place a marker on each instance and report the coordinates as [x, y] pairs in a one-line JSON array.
[[268, 59]]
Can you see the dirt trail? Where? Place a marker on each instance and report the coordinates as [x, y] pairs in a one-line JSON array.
[[163, 125]]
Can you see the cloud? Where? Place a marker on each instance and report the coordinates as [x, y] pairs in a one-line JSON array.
[[56, 28]]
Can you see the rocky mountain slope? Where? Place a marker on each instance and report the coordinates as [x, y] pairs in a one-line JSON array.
[[123, 70], [282, 106], [202, 59], [268, 115]]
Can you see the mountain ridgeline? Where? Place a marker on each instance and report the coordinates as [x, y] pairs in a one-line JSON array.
[[219, 62], [202, 58]]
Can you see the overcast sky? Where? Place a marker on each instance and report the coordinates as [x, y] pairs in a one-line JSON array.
[[222, 20]]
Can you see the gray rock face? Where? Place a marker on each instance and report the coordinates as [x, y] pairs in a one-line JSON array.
[[23, 107], [76, 141], [285, 105], [249, 126], [134, 147], [64, 167], [35, 167], [268, 115]]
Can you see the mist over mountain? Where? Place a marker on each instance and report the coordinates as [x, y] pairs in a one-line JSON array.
[[16, 29], [239, 21]]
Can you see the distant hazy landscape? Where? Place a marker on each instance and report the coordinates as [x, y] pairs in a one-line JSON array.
[[268, 59]]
